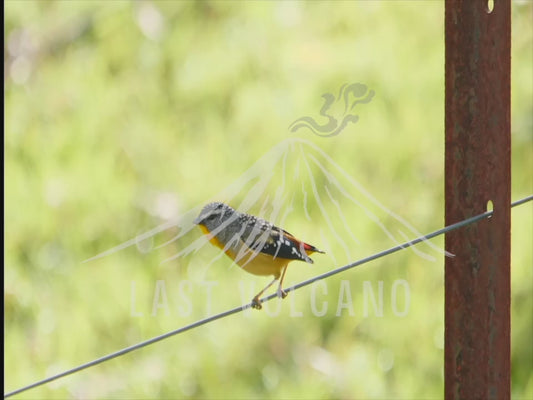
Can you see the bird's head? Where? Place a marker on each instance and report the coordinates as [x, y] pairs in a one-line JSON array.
[[214, 214]]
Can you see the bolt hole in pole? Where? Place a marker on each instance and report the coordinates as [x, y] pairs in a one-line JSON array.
[[490, 207], [490, 6]]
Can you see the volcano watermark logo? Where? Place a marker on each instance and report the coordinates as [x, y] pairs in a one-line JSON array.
[[298, 186], [338, 111]]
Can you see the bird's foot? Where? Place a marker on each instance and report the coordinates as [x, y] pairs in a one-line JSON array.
[[256, 303], [281, 293]]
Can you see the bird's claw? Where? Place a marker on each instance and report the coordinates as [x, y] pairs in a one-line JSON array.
[[256, 303], [281, 293]]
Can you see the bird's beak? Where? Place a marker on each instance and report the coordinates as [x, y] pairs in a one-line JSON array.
[[197, 220]]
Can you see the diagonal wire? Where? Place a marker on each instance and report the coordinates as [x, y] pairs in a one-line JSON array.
[[236, 310]]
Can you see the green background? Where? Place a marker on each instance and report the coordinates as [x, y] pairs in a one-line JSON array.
[[122, 115]]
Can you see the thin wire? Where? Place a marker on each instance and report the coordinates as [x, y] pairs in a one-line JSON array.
[[236, 310]]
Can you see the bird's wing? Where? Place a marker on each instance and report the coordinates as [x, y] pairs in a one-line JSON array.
[[262, 236]]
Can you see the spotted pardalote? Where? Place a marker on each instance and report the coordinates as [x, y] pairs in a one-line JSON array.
[[256, 245]]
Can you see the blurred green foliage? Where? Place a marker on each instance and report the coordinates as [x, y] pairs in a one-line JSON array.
[[121, 115]]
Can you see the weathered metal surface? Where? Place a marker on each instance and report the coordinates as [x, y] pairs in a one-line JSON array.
[[477, 170]]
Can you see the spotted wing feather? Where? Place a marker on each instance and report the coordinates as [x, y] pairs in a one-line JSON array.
[[260, 235]]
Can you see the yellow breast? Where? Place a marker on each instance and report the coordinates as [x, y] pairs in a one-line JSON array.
[[252, 262], [212, 238]]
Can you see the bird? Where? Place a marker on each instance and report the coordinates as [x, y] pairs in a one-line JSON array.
[[256, 245]]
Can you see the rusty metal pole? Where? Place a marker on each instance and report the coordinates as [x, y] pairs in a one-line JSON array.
[[477, 170]]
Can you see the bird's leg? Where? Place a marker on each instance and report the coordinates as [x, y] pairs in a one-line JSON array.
[[256, 303], [282, 293]]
